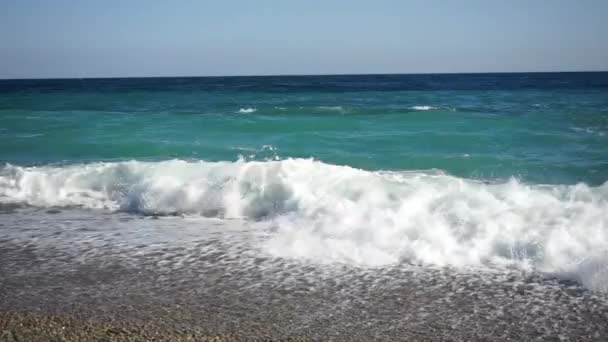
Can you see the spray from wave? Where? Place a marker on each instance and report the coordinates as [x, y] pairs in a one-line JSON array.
[[331, 213]]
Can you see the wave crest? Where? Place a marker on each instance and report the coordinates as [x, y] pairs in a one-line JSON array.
[[423, 108]]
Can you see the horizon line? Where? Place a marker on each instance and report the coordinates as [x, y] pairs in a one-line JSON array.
[[307, 75]]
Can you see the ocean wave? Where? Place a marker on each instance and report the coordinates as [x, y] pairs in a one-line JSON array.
[[589, 130], [247, 110], [423, 108], [331, 108], [330, 213]]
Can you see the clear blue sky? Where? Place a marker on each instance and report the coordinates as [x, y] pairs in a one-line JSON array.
[[109, 38]]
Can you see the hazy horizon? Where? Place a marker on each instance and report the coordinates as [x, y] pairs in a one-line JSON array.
[[312, 75]]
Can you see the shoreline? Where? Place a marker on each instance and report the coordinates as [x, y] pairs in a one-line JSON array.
[[109, 276]]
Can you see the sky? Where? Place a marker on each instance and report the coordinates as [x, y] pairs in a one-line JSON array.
[[139, 38]]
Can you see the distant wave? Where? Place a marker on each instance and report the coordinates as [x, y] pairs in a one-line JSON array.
[[332, 213], [331, 108], [423, 108], [590, 130], [247, 110]]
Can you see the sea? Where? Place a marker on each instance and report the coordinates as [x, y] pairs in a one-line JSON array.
[[484, 174]]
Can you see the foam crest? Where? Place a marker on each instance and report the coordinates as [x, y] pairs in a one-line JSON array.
[[331, 108], [247, 110], [330, 213], [423, 108]]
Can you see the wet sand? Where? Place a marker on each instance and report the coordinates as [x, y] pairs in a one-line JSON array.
[[88, 286]]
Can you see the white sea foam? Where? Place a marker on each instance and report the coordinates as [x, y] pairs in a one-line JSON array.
[[422, 108], [247, 110], [329, 213], [332, 108]]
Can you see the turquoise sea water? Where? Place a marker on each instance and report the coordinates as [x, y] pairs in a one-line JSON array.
[[541, 128], [468, 171]]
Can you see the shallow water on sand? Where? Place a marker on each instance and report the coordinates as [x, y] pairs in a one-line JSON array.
[[105, 264]]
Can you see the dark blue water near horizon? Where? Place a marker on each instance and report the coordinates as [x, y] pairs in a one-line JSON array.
[[320, 83]]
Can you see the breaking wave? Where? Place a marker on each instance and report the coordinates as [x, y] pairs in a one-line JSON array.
[[330, 213]]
